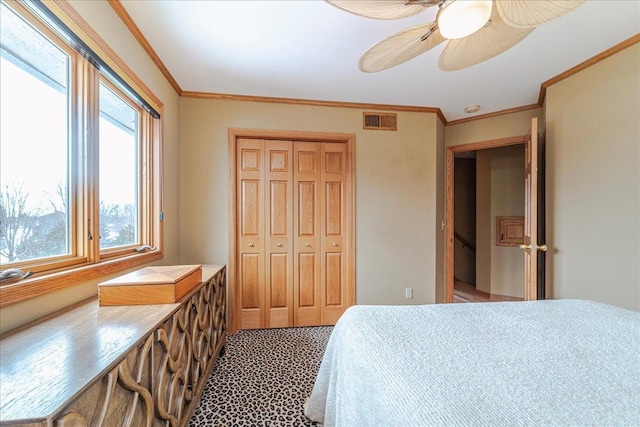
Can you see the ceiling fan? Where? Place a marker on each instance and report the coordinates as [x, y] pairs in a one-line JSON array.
[[475, 30]]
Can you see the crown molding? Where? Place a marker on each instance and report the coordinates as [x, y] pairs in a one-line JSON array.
[[568, 73], [313, 102], [133, 28], [494, 114], [586, 64], [135, 31], [76, 22]]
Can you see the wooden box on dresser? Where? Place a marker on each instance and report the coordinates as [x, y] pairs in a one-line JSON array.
[[143, 365]]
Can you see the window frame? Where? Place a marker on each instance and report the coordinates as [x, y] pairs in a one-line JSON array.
[[75, 247], [86, 260], [142, 177]]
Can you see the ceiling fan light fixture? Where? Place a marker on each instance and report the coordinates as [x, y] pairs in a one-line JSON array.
[[460, 18]]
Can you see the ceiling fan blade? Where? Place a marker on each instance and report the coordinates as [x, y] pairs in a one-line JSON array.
[[489, 41], [527, 13], [382, 9], [400, 48]]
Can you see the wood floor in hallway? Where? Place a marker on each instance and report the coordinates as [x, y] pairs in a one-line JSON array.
[[463, 292]]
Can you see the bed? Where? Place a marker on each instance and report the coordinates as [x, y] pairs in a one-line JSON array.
[[563, 362]]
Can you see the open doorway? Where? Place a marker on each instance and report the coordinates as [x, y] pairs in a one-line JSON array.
[[485, 183], [465, 226], [489, 224]]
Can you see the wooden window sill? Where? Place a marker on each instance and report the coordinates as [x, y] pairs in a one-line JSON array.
[[37, 284]]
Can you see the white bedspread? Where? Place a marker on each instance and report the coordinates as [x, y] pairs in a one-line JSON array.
[[543, 363]]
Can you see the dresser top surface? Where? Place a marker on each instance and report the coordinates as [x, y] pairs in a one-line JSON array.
[[48, 364]]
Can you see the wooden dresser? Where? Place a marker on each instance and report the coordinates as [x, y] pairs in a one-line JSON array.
[[142, 365]]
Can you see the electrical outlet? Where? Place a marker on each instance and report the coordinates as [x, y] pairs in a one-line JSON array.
[[408, 293]]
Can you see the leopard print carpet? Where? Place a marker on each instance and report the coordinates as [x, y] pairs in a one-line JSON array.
[[263, 379]]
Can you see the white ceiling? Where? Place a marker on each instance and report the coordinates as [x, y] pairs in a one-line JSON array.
[[308, 49]]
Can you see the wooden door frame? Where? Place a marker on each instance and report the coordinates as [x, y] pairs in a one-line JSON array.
[[345, 138], [449, 197]]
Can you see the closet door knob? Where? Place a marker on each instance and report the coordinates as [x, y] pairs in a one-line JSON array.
[[334, 244], [307, 245], [250, 245], [279, 245]]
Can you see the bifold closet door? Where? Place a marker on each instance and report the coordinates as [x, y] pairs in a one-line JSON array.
[[279, 234], [265, 233], [334, 299], [250, 228], [291, 233], [308, 242], [320, 225]]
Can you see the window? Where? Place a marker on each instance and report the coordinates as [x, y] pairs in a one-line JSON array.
[[79, 158], [119, 167], [34, 164]]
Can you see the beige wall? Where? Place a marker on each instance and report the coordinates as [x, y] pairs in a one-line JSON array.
[[507, 199], [593, 182], [592, 177], [499, 127], [500, 192], [103, 19], [465, 219], [395, 189], [483, 219]]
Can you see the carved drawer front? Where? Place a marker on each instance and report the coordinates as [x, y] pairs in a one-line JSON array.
[[172, 361], [122, 397], [156, 382], [201, 327], [219, 308], [207, 334]]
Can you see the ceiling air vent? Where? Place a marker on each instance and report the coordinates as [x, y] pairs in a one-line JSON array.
[[380, 121]]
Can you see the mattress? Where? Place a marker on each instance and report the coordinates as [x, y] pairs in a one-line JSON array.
[[540, 363]]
